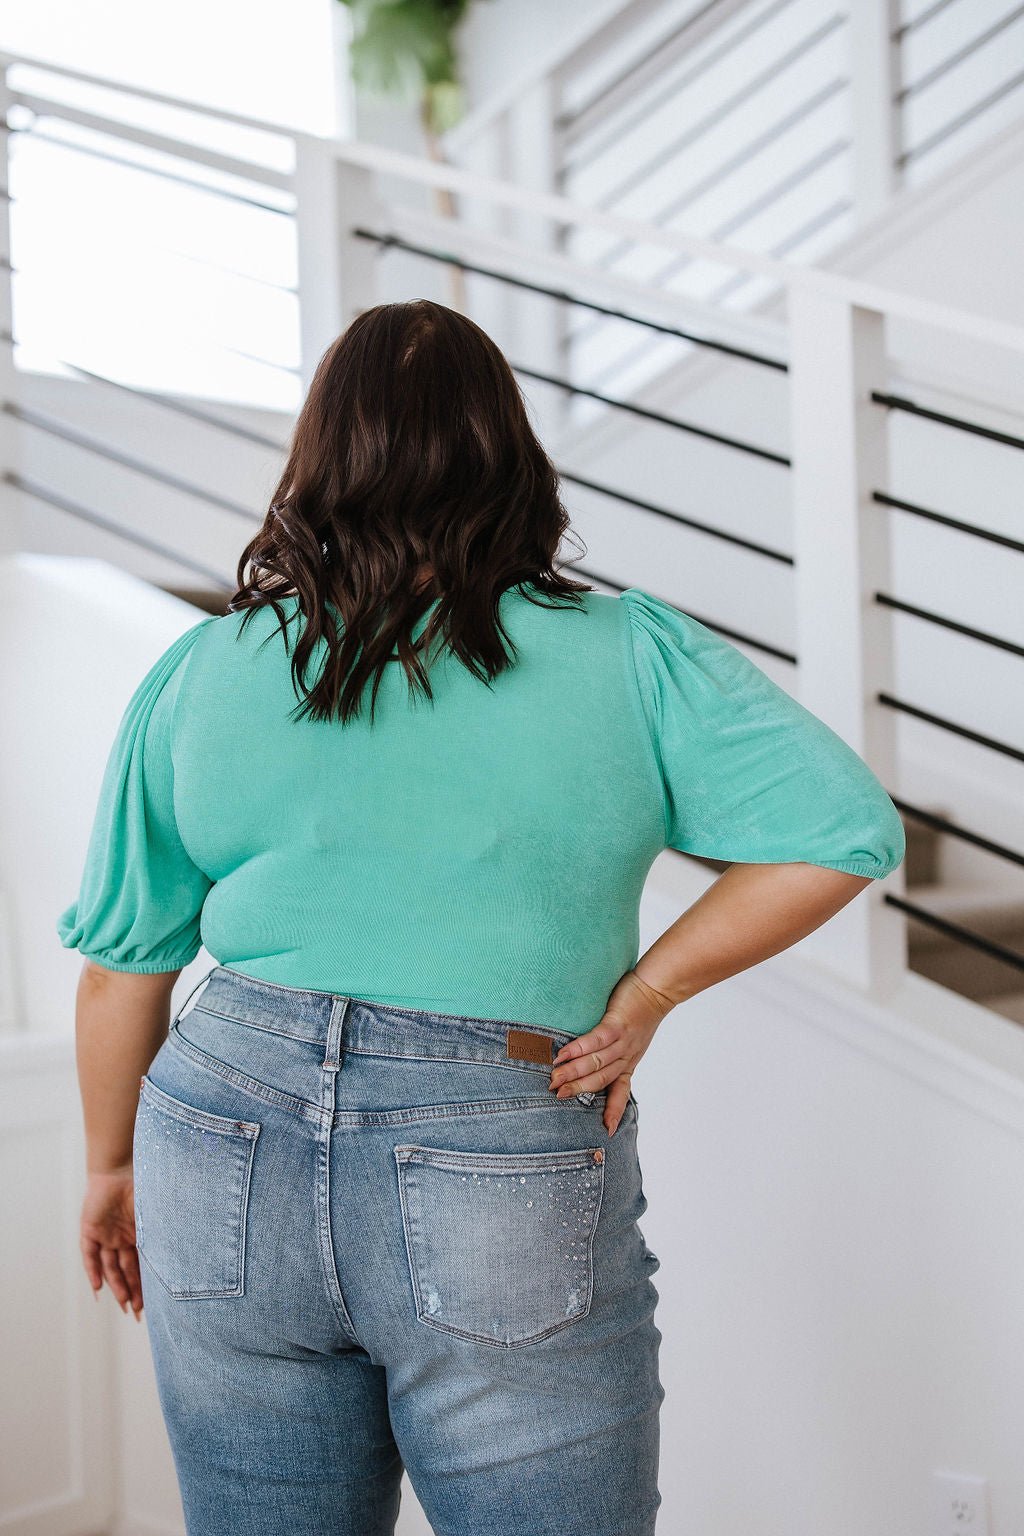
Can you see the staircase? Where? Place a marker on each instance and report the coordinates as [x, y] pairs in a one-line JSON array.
[[667, 355]]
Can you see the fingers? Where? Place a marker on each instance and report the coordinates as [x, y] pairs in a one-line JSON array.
[[592, 1061], [593, 1072], [91, 1262], [615, 1103], [120, 1268], [597, 1039], [110, 1259]]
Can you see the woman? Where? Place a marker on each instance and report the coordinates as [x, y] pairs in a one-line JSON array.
[[382, 1177]]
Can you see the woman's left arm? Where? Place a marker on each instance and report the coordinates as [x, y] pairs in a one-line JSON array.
[[121, 1021]]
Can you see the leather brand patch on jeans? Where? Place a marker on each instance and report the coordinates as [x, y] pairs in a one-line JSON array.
[[529, 1045]]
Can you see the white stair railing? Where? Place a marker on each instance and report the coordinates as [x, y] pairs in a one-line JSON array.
[[803, 557]]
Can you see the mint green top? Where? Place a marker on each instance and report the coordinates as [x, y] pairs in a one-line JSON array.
[[483, 855]]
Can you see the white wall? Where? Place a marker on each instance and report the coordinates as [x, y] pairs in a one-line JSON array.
[[837, 1202]]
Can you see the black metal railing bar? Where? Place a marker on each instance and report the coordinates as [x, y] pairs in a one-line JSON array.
[[946, 623], [959, 55], [119, 530], [56, 428], [565, 297], [721, 111], [957, 931], [945, 419], [922, 18], [677, 517], [646, 414], [955, 124], [766, 199], [572, 126], [951, 725], [885, 500], [720, 629], [953, 829], [764, 140], [165, 402]]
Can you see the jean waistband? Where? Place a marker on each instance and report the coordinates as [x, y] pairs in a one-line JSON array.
[[344, 1023]]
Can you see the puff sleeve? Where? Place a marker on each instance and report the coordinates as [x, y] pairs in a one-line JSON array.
[[749, 774], [141, 896]]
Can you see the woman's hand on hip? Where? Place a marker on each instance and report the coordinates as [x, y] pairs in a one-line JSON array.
[[606, 1055]]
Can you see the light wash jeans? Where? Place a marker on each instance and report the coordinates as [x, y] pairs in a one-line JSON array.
[[373, 1240]]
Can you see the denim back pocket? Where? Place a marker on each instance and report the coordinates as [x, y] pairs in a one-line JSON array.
[[192, 1176], [500, 1246]]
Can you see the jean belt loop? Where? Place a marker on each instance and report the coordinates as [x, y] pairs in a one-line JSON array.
[[332, 1055], [200, 983]]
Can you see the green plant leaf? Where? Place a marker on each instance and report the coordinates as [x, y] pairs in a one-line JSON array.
[[406, 49]]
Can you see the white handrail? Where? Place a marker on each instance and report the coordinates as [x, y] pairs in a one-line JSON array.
[[588, 282], [891, 302], [144, 93], [167, 144]]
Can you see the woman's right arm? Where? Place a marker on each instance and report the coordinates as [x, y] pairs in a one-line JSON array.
[[751, 912], [752, 778]]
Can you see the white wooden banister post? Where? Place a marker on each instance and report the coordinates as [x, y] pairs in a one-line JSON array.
[[875, 113], [537, 335], [336, 267], [841, 545], [10, 427]]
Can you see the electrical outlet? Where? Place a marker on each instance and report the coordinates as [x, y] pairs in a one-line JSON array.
[[959, 1505]]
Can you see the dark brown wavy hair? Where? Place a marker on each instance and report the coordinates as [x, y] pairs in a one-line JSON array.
[[413, 477]]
